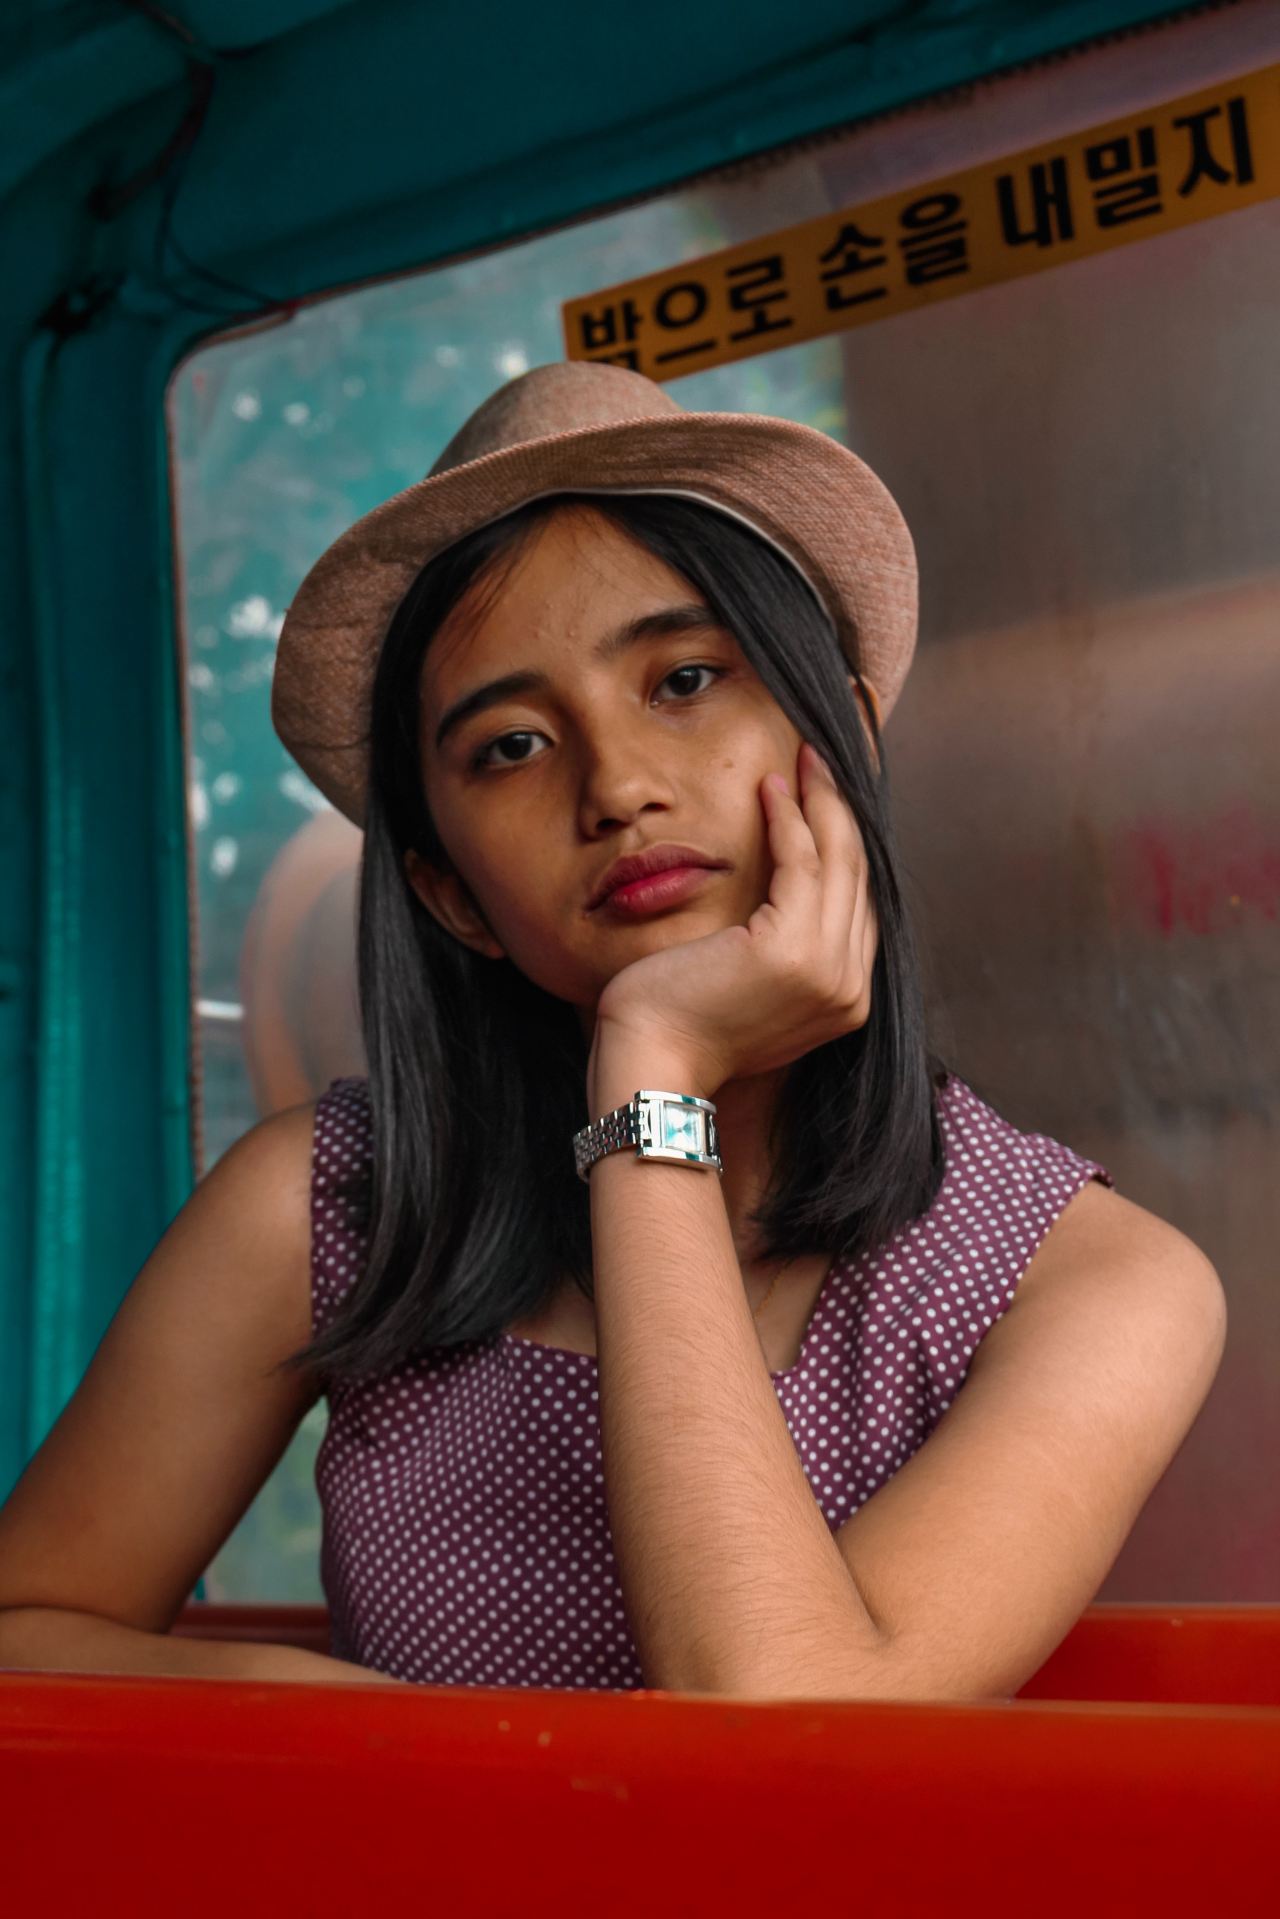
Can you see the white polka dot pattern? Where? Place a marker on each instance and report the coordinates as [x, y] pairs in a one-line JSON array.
[[465, 1534]]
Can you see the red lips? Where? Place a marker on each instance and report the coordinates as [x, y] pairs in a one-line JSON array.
[[640, 866]]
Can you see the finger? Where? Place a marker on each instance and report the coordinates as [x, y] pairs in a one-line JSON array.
[[866, 959], [838, 838], [795, 885]]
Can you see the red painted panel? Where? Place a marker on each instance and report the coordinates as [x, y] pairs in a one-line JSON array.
[[209, 1796], [204, 1796]]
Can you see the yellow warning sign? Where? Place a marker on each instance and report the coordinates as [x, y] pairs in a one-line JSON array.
[[1165, 167]]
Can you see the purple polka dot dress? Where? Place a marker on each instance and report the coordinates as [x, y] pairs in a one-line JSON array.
[[465, 1537]]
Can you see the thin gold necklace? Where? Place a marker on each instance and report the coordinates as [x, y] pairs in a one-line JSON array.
[[777, 1276]]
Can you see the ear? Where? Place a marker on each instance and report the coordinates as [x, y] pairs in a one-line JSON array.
[[448, 901], [864, 693]]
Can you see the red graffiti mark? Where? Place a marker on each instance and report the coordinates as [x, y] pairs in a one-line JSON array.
[[1201, 877]]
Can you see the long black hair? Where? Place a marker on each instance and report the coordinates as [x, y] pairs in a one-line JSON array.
[[470, 1205]]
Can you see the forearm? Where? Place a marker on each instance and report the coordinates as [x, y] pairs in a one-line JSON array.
[[49, 1639], [731, 1578]]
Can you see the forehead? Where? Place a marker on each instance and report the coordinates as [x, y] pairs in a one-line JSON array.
[[571, 579]]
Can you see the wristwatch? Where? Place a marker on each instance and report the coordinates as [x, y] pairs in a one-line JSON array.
[[670, 1126]]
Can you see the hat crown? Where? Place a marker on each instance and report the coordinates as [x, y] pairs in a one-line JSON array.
[[562, 397]]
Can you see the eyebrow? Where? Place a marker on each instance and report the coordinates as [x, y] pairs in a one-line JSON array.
[[648, 626]]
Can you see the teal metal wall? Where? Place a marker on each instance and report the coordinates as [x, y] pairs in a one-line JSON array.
[[166, 177]]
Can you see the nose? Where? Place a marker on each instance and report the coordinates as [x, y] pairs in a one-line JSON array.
[[621, 778]]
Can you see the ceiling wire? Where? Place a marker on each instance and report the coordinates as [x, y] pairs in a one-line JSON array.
[[168, 167]]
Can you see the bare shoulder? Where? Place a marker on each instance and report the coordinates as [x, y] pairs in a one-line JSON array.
[[279, 1146], [269, 1171], [1101, 1223], [270, 1166], [1106, 1245]]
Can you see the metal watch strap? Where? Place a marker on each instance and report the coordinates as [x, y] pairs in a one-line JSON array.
[[677, 1127]]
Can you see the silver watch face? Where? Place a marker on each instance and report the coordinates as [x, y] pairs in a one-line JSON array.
[[682, 1129], [670, 1126]]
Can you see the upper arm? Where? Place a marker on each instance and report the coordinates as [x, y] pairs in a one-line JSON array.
[[179, 1417], [983, 1550]]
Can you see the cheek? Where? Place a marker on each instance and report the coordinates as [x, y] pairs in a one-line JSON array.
[[522, 904], [766, 743]]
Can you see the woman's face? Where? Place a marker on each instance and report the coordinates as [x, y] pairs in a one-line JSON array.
[[665, 738]]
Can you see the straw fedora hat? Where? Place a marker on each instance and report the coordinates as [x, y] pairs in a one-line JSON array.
[[585, 426]]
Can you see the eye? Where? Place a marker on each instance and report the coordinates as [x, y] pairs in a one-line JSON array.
[[482, 762], [676, 672]]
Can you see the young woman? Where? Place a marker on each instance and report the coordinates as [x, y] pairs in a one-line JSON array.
[[684, 1322]]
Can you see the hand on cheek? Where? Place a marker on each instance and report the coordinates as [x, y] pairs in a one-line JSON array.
[[750, 998]]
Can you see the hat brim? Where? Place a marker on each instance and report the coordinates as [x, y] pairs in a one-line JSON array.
[[817, 502]]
